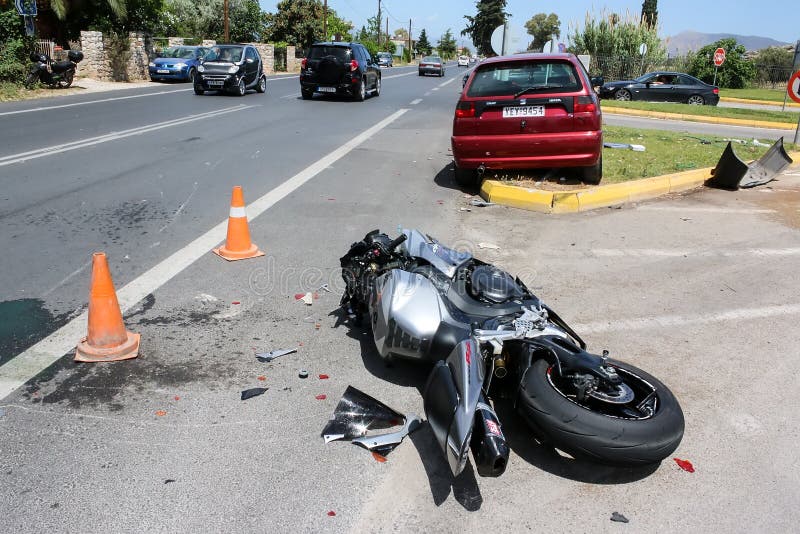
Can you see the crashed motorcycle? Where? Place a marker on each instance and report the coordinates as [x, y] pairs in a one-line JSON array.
[[491, 340], [53, 73]]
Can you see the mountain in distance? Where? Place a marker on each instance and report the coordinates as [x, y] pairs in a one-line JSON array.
[[691, 40]]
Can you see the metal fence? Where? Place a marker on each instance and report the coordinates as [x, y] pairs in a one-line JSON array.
[[772, 76], [45, 47]]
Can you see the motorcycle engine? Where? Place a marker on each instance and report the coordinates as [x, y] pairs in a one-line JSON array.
[[493, 285]]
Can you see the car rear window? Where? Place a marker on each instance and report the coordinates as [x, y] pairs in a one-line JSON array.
[[508, 79], [339, 52]]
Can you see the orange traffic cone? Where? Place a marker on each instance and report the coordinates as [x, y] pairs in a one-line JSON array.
[[237, 244], [108, 341]]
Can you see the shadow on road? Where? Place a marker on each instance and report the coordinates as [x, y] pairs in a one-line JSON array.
[[445, 178]]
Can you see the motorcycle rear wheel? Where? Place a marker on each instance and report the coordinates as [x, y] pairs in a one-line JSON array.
[[32, 80], [66, 81], [602, 432]]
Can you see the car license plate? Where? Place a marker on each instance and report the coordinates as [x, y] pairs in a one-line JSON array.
[[215, 82], [162, 71], [523, 111], [326, 89]]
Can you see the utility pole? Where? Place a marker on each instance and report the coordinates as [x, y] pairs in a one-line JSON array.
[[379, 22], [410, 42], [325, 21], [227, 28], [387, 29]]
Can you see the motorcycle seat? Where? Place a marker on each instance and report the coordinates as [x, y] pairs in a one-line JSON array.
[[61, 66]]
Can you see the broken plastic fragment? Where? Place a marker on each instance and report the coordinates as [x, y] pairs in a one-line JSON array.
[[618, 517], [479, 202], [331, 513], [325, 287], [235, 302], [161, 413], [635, 148], [323, 377], [308, 299], [177, 398], [253, 392], [489, 246], [321, 397], [169, 480], [379, 457], [266, 357], [686, 465], [262, 378], [303, 373]]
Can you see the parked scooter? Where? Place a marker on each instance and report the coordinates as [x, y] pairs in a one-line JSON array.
[[58, 74]]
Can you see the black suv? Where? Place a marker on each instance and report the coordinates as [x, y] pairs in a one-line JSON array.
[[343, 68], [233, 68]]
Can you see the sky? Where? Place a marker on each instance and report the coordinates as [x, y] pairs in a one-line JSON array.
[[765, 18]]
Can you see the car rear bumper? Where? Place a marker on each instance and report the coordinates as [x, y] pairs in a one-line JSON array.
[[571, 149], [341, 87], [431, 70]]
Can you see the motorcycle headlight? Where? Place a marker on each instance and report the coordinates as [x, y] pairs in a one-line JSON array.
[[201, 68], [180, 65], [233, 70], [151, 64]]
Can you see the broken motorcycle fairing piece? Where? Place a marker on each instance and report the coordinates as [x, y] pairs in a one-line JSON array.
[[357, 413], [732, 173], [266, 357], [491, 340]]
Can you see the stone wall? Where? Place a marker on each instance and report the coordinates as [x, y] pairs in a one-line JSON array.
[[209, 42], [292, 63], [141, 48], [267, 53], [174, 41], [95, 62]]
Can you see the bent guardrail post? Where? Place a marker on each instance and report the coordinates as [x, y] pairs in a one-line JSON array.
[[729, 171], [732, 173]]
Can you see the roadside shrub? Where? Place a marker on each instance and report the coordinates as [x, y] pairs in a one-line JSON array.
[[13, 47], [735, 73], [119, 54]]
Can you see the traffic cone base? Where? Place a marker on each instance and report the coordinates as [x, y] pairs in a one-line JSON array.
[[233, 255], [125, 351]]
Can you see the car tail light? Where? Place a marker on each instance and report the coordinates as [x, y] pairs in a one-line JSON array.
[[465, 110], [584, 104], [353, 65], [716, 90], [303, 63]]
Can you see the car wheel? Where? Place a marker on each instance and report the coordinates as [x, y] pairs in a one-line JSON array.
[[420, 73], [466, 177], [696, 100], [262, 85], [592, 175], [190, 75], [241, 89], [377, 91], [198, 90], [361, 93], [623, 95], [306, 94]]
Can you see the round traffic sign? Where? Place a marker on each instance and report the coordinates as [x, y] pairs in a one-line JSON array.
[[794, 87], [719, 57]]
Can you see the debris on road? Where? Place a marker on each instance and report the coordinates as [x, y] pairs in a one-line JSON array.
[[261, 378], [379, 457], [253, 392], [307, 298], [321, 397], [686, 465], [161, 413], [618, 517], [266, 357], [323, 377], [479, 202], [325, 287], [756, 142], [303, 373], [732, 173], [357, 413], [490, 246], [331, 513], [464, 209], [169, 481], [635, 148]]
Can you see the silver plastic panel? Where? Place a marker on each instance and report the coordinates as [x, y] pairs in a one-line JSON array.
[[442, 258]]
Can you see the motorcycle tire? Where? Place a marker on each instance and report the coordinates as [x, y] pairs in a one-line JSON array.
[[604, 438], [32, 80], [66, 81]]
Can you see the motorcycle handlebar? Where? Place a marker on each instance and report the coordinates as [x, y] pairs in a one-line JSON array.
[[397, 242]]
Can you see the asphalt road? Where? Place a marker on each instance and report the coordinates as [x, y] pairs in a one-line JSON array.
[[698, 289]]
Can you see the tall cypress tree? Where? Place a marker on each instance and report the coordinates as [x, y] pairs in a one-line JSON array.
[[650, 12]]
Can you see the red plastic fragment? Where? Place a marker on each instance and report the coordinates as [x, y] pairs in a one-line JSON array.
[[235, 302], [686, 465], [177, 397], [440, 202], [379, 457], [321, 397], [323, 377], [331, 513], [298, 296], [161, 413], [262, 378]]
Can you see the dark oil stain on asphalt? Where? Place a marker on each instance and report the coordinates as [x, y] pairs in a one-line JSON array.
[[23, 323]]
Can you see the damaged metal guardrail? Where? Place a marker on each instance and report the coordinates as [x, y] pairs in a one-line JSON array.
[[732, 173]]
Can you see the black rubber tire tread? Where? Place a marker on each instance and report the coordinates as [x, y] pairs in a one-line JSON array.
[[361, 94], [198, 90], [261, 84], [592, 175], [587, 434], [307, 95]]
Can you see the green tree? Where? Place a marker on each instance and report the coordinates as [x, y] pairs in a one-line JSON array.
[[447, 45], [14, 46], [423, 46], [773, 65], [299, 23], [400, 33], [735, 73], [465, 50], [543, 27], [117, 16], [650, 12], [490, 15]]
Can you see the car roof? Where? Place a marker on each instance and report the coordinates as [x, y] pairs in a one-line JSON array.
[[528, 56], [336, 43]]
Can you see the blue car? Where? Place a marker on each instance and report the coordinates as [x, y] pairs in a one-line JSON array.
[[177, 63]]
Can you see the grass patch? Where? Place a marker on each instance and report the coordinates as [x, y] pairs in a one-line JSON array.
[[666, 153], [789, 117], [770, 95]]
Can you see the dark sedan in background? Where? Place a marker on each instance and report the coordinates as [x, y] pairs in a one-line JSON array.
[[431, 65], [662, 87]]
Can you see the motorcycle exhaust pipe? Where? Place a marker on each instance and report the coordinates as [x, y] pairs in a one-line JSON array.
[[500, 370], [489, 448], [481, 170]]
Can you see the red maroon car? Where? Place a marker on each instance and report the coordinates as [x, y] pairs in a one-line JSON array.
[[528, 111]]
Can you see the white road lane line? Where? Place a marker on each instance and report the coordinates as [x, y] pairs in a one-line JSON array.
[[435, 89], [672, 321], [427, 94], [704, 209], [397, 75], [295, 95], [46, 108], [113, 136], [451, 80], [416, 101], [46, 352]]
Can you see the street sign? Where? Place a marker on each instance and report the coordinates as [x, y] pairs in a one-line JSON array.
[[719, 57], [26, 7], [507, 39], [794, 87], [550, 46], [642, 49]]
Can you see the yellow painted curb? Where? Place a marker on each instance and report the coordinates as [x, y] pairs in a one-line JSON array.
[[789, 103], [699, 118], [517, 197]]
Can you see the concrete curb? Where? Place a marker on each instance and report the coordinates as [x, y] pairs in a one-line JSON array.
[[789, 103], [699, 118], [595, 197]]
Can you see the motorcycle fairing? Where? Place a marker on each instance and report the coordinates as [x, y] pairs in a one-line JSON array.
[[358, 412], [424, 247], [451, 398]]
